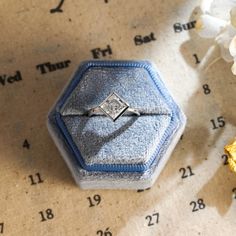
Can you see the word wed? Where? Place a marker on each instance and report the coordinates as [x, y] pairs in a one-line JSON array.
[[4, 79]]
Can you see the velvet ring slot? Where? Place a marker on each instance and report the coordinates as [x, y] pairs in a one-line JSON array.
[[130, 152]]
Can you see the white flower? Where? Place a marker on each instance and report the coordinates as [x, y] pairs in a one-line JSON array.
[[218, 21]]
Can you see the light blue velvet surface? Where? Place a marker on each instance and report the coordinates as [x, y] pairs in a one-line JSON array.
[[131, 140], [132, 84], [128, 140]]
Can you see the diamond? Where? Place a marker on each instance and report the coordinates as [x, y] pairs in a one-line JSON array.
[[114, 106]]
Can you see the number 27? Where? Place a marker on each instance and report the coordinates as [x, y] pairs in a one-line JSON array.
[[151, 220]]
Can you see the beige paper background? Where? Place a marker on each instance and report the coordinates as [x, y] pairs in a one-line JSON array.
[[31, 35]]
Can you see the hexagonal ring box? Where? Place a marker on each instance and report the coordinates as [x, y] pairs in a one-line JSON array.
[[116, 124]]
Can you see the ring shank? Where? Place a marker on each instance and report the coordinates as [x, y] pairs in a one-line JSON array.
[[96, 111]]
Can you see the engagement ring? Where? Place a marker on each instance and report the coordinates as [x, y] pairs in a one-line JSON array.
[[113, 107]]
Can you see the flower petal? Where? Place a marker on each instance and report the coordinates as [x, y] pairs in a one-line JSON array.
[[233, 68], [233, 16], [209, 26], [221, 8], [205, 6], [232, 47], [225, 54], [224, 39]]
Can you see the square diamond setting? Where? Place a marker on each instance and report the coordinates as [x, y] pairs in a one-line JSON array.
[[113, 106]]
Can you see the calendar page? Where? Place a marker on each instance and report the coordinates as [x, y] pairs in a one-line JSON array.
[[41, 45]]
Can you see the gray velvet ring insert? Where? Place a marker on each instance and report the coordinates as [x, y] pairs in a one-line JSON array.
[[130, 152]]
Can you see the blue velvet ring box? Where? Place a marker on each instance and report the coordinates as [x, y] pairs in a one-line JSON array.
[[130, 152]]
